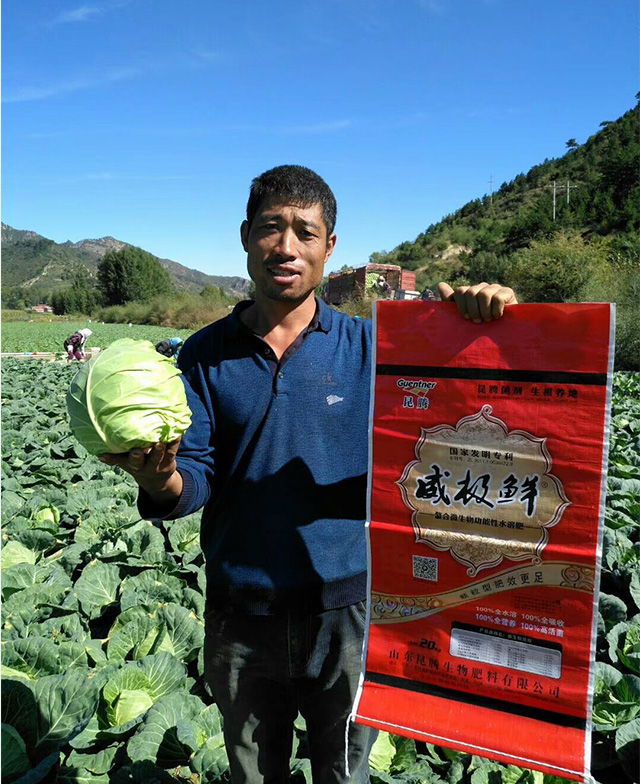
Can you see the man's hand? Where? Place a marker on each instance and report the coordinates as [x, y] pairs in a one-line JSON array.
[[484, 302], [154, 469]]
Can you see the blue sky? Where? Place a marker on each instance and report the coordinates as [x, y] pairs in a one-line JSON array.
[[147, 119]]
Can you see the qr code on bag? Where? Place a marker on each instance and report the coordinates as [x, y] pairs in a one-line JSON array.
[[425, 568]]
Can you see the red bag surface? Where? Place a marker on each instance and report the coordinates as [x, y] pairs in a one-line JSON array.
[[486, 502]]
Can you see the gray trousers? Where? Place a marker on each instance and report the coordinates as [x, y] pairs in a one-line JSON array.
[[262, 670]]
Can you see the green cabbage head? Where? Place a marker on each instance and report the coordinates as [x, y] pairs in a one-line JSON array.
[[128, 705], [127, 396]]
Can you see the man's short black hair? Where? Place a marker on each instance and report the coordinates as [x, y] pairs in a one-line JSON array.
[[296, 184]]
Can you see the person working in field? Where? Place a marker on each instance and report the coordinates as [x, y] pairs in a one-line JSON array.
[[277, 456], [74, 344], [169, 347]]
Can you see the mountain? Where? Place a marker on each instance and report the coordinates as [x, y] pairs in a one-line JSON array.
[[566, 231], [595, 187], [31, 260]]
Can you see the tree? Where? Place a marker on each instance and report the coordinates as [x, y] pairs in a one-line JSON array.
[[13, 298], [58, 303], [571, 144], [377, 257], [216, 295], [78, 298], [131, 275], [85, 296]]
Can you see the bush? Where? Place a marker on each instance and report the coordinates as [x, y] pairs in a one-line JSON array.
[[181, 311], [356, 306], [459, 280], [628, 338], [426, 279], [215, 295], [619, 282], [461, 235], [488, 267], [554, 270], [110, 315], [195, 316], [137, 313]]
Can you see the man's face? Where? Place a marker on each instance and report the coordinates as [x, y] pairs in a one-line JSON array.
[[287, 247]]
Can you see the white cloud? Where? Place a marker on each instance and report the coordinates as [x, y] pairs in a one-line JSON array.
[[86, 13], [69, 85], [81, 14]]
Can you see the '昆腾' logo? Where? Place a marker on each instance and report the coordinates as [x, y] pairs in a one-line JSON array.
[[415, 392]]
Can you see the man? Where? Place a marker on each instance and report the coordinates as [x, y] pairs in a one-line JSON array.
[[277, 455], [428, 295]]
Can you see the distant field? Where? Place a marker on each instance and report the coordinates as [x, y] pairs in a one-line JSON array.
[[22, 315], [45, 336]]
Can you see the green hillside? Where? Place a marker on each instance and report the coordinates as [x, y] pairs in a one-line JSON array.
[[589, 252], [604, 201], [27, 256]]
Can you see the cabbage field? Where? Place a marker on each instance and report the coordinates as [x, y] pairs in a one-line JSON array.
[[42, 336], [102, 619]]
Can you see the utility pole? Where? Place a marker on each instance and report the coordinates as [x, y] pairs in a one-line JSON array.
[[568, 190], [555, 189], [491, 192]]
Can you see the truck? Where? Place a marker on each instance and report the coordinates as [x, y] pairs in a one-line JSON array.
[[400, 283]]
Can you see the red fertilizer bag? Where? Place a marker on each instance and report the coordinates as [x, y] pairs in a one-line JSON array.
[[486, 503]]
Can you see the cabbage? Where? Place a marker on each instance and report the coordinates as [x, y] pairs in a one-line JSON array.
[[382, 752], [129, 704], [127, 396], [134, 688], [47, 514]]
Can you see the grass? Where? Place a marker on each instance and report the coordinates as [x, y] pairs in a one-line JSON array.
[[26, 316]]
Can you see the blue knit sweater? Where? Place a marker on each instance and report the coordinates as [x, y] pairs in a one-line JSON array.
[[279, 462]]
